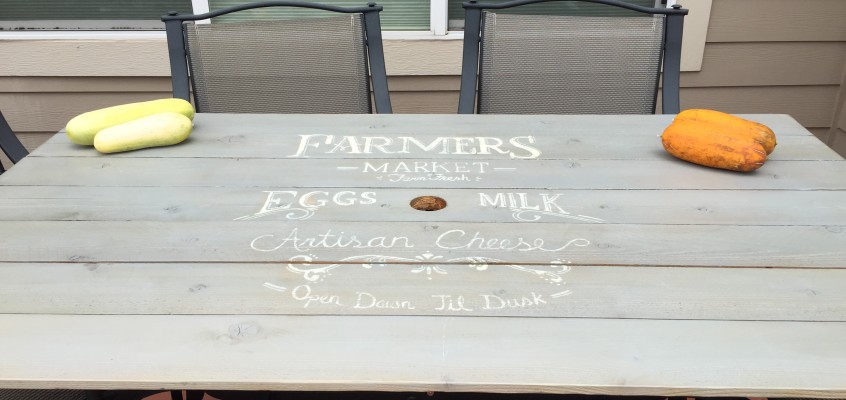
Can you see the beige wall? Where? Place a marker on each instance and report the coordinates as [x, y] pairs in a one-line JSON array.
[[760, 56], [836, 135], [773, 56]]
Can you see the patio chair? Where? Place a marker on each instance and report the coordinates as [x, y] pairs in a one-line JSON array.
[[42, 394], [305, 65], [75, 394], [10, 144], [570, 64], [129, 394]]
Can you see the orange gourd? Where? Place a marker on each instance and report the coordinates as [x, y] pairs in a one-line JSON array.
[[714, 145], [760, 132]]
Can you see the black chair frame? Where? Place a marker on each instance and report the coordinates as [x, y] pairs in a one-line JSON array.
[[178, 58], [671, 57], [10, 144], [129, 394]]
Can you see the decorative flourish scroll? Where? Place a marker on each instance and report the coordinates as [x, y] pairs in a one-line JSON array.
[[318, 272], [314, 273], [291, 213], [529, 215]]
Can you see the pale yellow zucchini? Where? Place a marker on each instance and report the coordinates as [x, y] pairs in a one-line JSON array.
[[163, 129], [82, 128]]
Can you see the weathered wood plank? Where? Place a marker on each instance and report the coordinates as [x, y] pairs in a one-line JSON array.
[[562, 136], [317, 245], [394, 125], [575, 145], [273, 289], [664, 172], [701, 207], [594, 356]]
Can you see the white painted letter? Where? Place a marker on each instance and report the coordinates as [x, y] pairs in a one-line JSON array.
[[498, 201], [533, 152], [305, 142]]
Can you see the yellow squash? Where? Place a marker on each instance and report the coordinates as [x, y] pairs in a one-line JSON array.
[[161, 129], [82, 128]]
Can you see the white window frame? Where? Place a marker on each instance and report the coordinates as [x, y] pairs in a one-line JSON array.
[[200, 7], [438, 27], [439, 19]]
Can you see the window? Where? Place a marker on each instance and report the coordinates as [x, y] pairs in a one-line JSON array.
[[415, 15], [398, 15], [455, 11], [87, 14]]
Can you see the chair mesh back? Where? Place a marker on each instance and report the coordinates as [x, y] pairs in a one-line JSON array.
[[541, 64], [315, 65], [45, 394]]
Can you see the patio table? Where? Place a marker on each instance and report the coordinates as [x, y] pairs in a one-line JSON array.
[[281, 252]]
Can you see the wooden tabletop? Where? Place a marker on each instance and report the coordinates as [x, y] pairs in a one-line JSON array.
[[281, 252]]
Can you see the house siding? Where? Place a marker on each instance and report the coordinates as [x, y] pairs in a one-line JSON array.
[[836, 136], [792, 50], [760, 56]]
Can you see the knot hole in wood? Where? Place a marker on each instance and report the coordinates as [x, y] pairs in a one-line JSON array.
[[428, 203]]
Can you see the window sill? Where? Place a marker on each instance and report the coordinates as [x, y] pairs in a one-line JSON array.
[[141, 35]]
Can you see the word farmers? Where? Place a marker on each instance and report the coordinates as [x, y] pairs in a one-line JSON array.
[[326, 240], [518, 147]]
